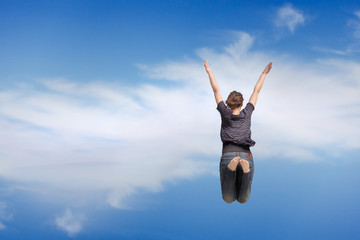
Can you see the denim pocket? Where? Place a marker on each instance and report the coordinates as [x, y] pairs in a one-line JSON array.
[[225, 160]]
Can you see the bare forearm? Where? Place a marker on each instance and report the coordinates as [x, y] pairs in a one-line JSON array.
[[260, 82], [213, 82]]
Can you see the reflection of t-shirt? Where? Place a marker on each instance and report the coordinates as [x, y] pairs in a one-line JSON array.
[[236, 128]]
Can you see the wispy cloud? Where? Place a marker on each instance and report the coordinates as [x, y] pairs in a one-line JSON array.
[[240, 46], [357, 13], [69, 222], [355, 24], [105, 137], [4, 215], [332, 51], [352, 48], [289, 17]]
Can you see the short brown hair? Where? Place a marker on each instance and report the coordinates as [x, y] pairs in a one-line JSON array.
[[234, 100]]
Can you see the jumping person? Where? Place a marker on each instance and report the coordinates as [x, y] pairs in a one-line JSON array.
[[236, 165]]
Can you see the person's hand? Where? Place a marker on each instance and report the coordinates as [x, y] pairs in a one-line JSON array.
[[207, 68], [268, 68]]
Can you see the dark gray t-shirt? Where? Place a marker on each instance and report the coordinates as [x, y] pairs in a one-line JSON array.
[[236, 128]]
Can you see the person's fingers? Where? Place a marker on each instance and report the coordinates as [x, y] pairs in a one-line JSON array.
[[268, 67], [205, 64]]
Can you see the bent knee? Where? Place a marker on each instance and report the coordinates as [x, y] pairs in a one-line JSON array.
[[243, 199], [228, 199]]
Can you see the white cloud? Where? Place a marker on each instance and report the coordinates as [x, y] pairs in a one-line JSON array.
[[69, 222], [240, 46], [4, 215], [357, 13], [91, 137], [333, 51], [110, 142], [289, 17], [355, 25], [353, 48]]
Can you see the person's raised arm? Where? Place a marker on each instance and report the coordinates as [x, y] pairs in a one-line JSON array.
[[259, 84], [214, 84]]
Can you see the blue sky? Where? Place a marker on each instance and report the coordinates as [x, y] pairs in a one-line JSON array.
[[109, 129]]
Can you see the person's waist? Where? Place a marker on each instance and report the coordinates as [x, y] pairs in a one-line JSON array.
[[231, 147]]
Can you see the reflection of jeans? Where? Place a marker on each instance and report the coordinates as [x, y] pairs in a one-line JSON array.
[[236, 185]]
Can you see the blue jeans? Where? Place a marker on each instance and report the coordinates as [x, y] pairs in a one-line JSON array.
[[235, 185]]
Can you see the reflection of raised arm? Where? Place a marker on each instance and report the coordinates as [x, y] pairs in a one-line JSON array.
[[214, 84], [259, 84]]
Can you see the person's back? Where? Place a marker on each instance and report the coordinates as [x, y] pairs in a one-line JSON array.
[[236, 128]]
